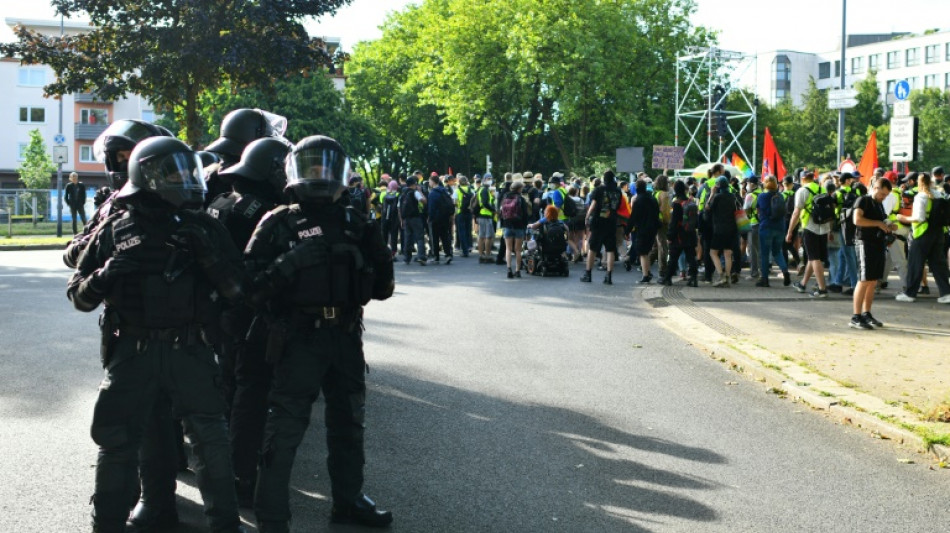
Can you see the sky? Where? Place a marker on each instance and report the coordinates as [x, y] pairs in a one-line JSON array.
[[745, 25]]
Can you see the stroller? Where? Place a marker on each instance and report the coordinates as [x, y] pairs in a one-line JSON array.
[[544, 251]]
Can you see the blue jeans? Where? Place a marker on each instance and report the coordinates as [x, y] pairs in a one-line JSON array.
[[848, 262], [463, 225], [834, 266], [770, 245]]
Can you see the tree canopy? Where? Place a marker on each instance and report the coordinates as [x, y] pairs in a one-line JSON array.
[[170, 52]]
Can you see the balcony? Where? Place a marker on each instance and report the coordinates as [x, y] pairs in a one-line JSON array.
[[89, 98], [89, 132]]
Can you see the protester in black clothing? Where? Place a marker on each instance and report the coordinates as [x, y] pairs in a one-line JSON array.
[[721, 209], [645, 221], [871, 247], [681, 235], [441, 219], [601, 220], [75, 198]]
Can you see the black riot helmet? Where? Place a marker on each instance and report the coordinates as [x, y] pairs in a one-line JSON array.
[[121, 136], [167, 168], [242, 126], [263, 161], [317, 170]]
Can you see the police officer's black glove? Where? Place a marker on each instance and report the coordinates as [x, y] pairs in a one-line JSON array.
[[115, 267], [306, 254]]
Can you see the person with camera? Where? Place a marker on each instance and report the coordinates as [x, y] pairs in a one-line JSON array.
[[870, 244]]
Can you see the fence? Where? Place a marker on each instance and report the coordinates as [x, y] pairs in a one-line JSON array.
[[36, 205]]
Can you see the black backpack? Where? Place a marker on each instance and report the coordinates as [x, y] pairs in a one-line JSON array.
[[444, 207], [939, 213], [358, 199], [391, 207], [777, 206], [822, 207], [408, 204], [847, 203], [568, 205], [465, 206]]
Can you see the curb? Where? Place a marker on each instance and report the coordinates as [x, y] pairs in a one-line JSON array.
[[27, 247], [714, 343]]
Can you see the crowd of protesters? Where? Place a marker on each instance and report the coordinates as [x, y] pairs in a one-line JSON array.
[[831, 227]]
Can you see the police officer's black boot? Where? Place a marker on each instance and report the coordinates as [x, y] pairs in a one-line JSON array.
[[363, 512], [152, 516]]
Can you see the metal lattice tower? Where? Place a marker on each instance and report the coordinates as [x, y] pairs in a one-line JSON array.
[[703, 83]]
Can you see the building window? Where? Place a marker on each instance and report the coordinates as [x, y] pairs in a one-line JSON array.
[[890, 86], [893, 60], [85, 154], [912, 56], [148, 116], [874, 62], [948, 52], [32, 115], [930, 80], [781, 77], [21, 154], [857, 65], [914, 82], [824, 70], [946, 81], [93, 116], [837, 68], [931, 53], [32, 77]]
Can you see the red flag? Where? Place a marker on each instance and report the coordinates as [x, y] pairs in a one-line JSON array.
[[868, 160], [771, 159]]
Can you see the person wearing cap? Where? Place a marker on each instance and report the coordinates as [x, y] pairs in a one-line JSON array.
[[753, 244], [847, 273], [938, 175], [485, 216], [814, 235]]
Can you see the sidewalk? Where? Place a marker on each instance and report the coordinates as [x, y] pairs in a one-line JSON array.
[[893, 381]]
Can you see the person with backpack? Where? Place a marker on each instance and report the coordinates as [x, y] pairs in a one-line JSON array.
[[721, 209], [358, 195], [463, 218], [389, 204], [441, 219], [513, 215], [645, 222], [770, 210], [926, 244], [753, 244], [483, 205], [681, 235], [812, 205], [790, 249], [846, 276], [411, 204], [601, 220]]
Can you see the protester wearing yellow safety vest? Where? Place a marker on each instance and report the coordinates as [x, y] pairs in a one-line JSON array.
[[705, 229], [463, 218], [814, 235], [925, 245], [790, 249], [485, 214], [752, 240], [661, 191], [896, 256]]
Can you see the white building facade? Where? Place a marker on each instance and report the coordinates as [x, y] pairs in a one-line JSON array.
[[922, 60]]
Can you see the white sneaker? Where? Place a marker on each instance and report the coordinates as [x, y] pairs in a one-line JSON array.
[[904, 298], [945, 299]]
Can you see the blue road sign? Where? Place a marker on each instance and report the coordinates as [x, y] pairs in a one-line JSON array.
[[59, 138], [902, 90]]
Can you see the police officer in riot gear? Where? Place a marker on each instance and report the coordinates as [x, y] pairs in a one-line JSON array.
[[160, 269], [258, 181], [317, 262], [238, 129], [112, 148]]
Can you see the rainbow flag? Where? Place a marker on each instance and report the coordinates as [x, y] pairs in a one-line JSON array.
[[739, 163]]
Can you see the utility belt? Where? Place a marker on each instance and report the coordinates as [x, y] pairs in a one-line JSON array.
[[185, 335], [326, 317]]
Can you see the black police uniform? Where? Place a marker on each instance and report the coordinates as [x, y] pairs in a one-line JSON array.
[[319, 306], [160, 271]]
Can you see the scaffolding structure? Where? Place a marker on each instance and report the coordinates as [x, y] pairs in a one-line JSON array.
[[704, 81]]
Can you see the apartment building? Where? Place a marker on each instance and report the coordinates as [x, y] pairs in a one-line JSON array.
[[921, 59]]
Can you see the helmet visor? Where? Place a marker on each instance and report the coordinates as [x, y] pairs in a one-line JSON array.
[[277, 122], [317, 164], [131, 130], [181, 171]]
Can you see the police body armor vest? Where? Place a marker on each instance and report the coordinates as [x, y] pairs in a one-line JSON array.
[[345, 279], [239, 213], [167, 291]]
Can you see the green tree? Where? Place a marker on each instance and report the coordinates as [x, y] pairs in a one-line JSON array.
[[171, 52], [932, 107], [811, 131], [37, 167], [864, 118]]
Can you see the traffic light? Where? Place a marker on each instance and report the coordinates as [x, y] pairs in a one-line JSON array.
[[722, 126]]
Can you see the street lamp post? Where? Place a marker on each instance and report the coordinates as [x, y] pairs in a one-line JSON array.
[[59, 165], [844, 38]]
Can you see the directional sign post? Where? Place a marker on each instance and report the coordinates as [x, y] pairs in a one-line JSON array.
[[842, 103], [902, 108], [903, 139], [59, 139]]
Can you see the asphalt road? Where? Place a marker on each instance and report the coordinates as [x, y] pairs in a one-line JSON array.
[[525, 405]]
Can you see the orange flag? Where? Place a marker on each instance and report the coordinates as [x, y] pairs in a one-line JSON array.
[[771, 159], [868, 160]]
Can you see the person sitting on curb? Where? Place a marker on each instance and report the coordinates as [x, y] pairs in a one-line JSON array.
[[870, 244]]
